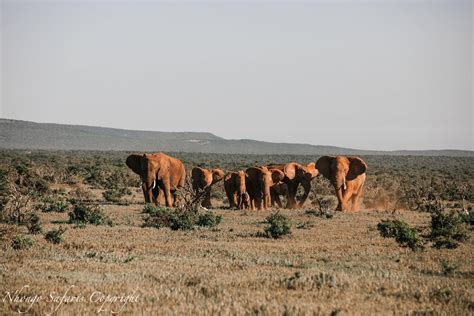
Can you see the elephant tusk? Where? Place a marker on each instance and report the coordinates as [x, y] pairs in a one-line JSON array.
[[154, 184], [344, 184]]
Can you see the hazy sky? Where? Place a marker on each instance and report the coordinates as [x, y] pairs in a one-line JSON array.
[[370, 75]]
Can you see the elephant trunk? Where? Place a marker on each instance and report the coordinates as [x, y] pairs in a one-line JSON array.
[[307, 189], [145, 192], [267, 201], [149, 184], [340, 186]]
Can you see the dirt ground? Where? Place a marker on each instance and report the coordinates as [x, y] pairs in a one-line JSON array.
[[336, 266]]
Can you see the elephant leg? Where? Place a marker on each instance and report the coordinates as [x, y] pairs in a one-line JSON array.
[[291, 196], [252, 203], [277, 200], [161, 197], [354, 202], [169, 200], [230, 197], [356, 198], [145, 193], [258, 202], [156, 195], [206, 202]]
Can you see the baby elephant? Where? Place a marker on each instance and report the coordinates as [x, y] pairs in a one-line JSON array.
[[236, 191], [347, 175]]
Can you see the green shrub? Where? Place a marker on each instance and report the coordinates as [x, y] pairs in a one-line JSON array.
[[277, 226], [182, 220], [157, 216], [402, 232], [447, 229], [84, 214], [177, 219], [55, 236], [33, 223], [21, 242], [208, 219], [115, 194], [58, 206], [468, 217], [447, 268]]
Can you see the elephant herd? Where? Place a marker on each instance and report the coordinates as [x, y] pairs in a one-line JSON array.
[[259, 187]]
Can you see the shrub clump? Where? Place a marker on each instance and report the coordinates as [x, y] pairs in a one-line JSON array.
[[208, 219], [82, 214], [178, 219], [115, 194], [468, 217], [447, 229], [33, 223], [402, 232], [55, 236], [277, 226], [21, 242], [56, 206]]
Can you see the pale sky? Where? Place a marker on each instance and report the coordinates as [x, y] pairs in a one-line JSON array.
[[382, 75]]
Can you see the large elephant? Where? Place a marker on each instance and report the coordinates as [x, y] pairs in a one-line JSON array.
[[159, 173], [236, 191], [347, 175], [203, 179], [296, 174], [259, 181]]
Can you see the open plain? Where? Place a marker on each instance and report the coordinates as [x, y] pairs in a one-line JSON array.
[[337, 264]]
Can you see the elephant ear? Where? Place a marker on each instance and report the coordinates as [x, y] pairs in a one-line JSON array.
[[197, 173], [324, 166], [356, 168], [290, 170], [217, 175], [134, 162], [311, 169], [277, 175]]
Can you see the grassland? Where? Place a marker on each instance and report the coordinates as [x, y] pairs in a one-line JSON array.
[[338, 265]]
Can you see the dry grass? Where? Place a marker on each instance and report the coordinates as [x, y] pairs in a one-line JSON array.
[[340, 265]]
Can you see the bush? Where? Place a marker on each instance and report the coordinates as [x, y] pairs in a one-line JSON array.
[[448, 269], [115, 194], [468, 217], [33, 223], [57, 206], [157, 216], [402, 232], [178, 219], [21, 242], [277, 226], [84, 214], [55, 236], [166, 217], [209, 219], [447, 229]]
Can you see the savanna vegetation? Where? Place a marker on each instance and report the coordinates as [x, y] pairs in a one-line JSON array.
[[78, 219]]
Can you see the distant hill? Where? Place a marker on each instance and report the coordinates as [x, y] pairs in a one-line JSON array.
[[16, 134]]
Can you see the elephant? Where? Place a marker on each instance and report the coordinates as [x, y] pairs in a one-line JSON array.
[[347, 175], [236, 191], [203, 179], [276, 190], [258, 182], [161, 176], [296, 174]]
